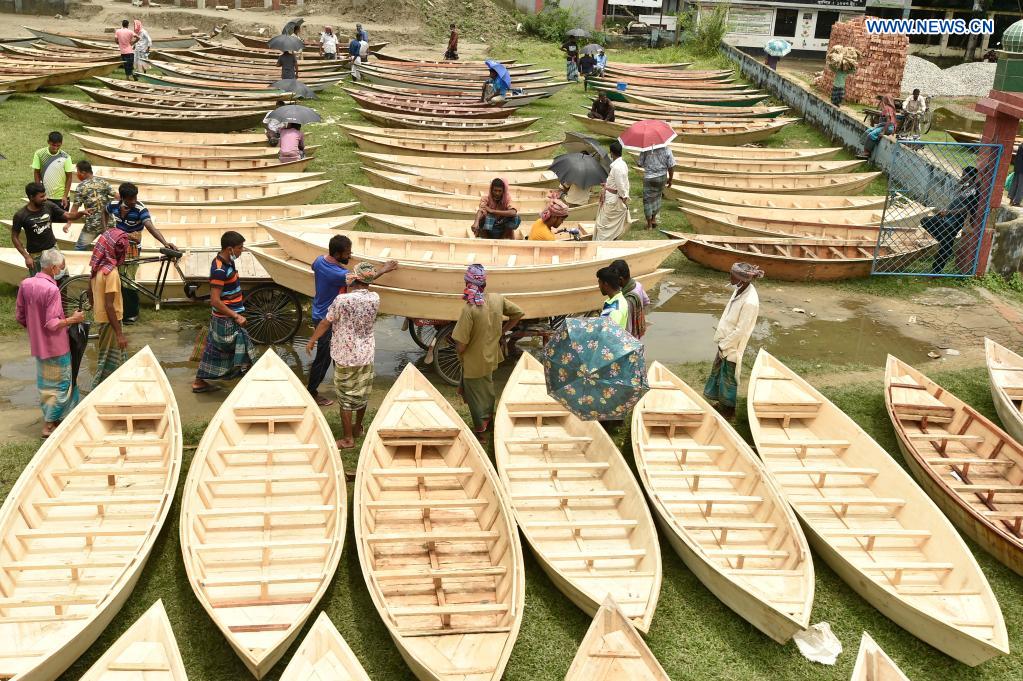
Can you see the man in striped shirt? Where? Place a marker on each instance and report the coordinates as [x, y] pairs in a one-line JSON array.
[[228, 352]]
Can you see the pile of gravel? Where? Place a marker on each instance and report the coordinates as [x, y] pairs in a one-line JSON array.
[[963, 80]]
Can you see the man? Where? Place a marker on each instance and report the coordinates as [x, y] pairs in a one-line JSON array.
[[635, 296], [496, 217], [478, 335], [93, 193], [733, 333], [107, 301], [571, 49], [361, 34], [289, 66], [132, 217], [36, 219], [494, 89], [328, 43], [549, 221], [40, 311], [601, 63], [615, 307], [228, 352], [613, 216], [354, 48], [838, 86], [330, 279], [52, 167], [350, 319], [914, 107], [452, 51], [126, 38], [272, 126], [946, 225], [658, 172], [586, 65], [887, 123], [603, 109]]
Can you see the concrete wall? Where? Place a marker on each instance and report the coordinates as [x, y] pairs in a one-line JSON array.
[[588, 12], [1007, 241], [42, 7]]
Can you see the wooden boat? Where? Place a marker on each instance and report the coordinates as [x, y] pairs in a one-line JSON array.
[[575, 500], [4, 94], [475, 71], [267, 97], [450, 206], [455, 97], [673, 110], [438, 110], [718, 133], [458, 229], [230, 139], [872, 664], [752, 166], [197, 178], [722, 513], [425, 264], [499, 165], [461, 136], [677, 74], [312, 45], [32, 77], [229, 78], [826, 184], [222, 87], [166, 103], [280, 193], [64, 38], [324, 656], [831, 216], [503, 150], [23, 83], [744, 154], [135, 160], [263, 513], [869, 521], [297, 276], [440, 176], [214, 216], [522, 78], [113, 116], [436, 540], [417, 183], [821, 227], [439, 83], [204, 58], [1003, 370], [791, 202], [794, 259], [82, 518], [973, 137], [148, 650], [416, 63], [180, 150], [613, 650], [426, 122], [708, 98], [970, 467]]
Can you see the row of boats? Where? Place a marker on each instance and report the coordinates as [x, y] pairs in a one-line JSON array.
[[437, 526]]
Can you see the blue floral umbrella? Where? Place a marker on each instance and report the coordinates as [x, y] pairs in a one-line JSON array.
[[777, 47], [595, 369]]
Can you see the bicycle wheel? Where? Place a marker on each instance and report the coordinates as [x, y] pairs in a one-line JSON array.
[[926, 122], [445, 357], [274, 314], [74, 295], [422, 334]]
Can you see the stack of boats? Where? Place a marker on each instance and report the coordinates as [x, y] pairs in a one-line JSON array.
[[28, 67]]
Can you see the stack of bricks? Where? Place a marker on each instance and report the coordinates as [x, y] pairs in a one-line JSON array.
[[882, 61]]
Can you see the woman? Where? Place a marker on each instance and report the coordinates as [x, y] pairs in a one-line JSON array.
[[886, 124], [1016, 186], [292, 142], [494, 89], [142, 45], [733, 333], [497, 218]]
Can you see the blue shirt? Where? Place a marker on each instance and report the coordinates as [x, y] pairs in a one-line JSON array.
[[363, 35], [353, 48], [133, 220], [330, 280], [224, 274]]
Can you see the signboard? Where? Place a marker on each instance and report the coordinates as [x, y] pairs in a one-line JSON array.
[[637, 3], [824, 3], [886, 4], [750, 21]]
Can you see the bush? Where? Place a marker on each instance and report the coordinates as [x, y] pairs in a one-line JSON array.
[[704, 30], [552, 23]]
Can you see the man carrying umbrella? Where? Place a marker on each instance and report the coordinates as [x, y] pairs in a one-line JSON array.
[[613, 216], [733, 333], [775, 50], [571, 49], [603, 109], [289, 65], [497, 85], [39, 310], [477, 336]]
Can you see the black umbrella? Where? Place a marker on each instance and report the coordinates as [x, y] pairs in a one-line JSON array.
[[578, 33], [592, 48], [296, 87], [78, 339], [577, 141], [579, 169], [295, 113], [286, 43], [292, 26]]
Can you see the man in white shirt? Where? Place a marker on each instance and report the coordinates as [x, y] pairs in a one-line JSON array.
[[613, 217], [914, 107], [328, 43], [733, 333]]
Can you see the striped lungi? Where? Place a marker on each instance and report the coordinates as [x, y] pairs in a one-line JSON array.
[[353, 385], [109, 357], [228, 352], [837, 95], [653, 191], [57, 395]]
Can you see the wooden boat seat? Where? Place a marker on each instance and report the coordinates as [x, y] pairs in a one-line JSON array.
[[264, 546], [409, 436], [709, 501], [944, 437], [145, 440], [673, 417], [267, 478], [421, 472], [988, 492], [42, 564], [602, 524], [538, 409], [822, 472], [844, 503], [257, 580], [55, 600], [265, 511], [401, 504], [99, 502], [278, 414], [138, 410], [729, 525], [900, 568], [872, 535], [441, 573], [38, 619], [448, 609], [741, 555], [591, 555], [765, 572], [566, 496], [88, 532], [966, 461], [432, 537], [680, 447], [107, 471], [546, 442], [556, 466], [804, 446]]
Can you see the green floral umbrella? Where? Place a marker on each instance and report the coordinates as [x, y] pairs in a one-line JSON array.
[[595, 369]]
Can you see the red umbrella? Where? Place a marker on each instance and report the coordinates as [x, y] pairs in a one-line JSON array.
[[647, 135]]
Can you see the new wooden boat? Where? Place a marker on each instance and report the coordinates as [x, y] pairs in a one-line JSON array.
[[450, 206], [261, 42], [79, 523], [439, 83], [276, 194], [972, 137], [719, 509], [426, 264], [436, 539], [31, 79], [683, 75], [791, 202], [166, 103], [222, 87], [22, 83], [826, 184], [197, 178], [425, 122], [710, 98], [180, 150], [830, 216], [513, 150], [869, 521], [753, 166], [655, 83], [227, 78], [113, 116], [672, 110], [459, 229], [701, 133], [971, 468], [437, 109], [795, 259], [263, 513], [206, 59], [297, 276], [440, 176], [324, 656], [1005, 374], [268, 97], [230, 139], [477, 74], [135, 160], [613, 650], [723, 224], [499, 165], [214, 216], [872, 664], [64, 38], [575, 499], [744, 154], [432, 185], [418, 63], [148, 650], [462, 136], [454, 97]]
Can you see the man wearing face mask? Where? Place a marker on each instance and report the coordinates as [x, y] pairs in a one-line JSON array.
[[733, 333], [40, 311], [228, 352]]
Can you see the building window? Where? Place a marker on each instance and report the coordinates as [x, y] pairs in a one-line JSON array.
[[825, 20], [785, 22]]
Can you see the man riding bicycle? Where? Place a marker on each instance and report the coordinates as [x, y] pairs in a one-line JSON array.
[[914, 109]]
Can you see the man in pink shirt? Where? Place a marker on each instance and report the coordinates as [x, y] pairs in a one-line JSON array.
[[40, 311], [126, 38]]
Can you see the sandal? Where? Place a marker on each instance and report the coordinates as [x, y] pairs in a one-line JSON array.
[[323, 401], [204, 388]]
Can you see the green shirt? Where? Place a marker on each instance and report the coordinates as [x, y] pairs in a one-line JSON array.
[[479, 329], [54, 173], [616, 308]]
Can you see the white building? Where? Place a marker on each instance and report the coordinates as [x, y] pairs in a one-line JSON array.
[[804, 23]]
